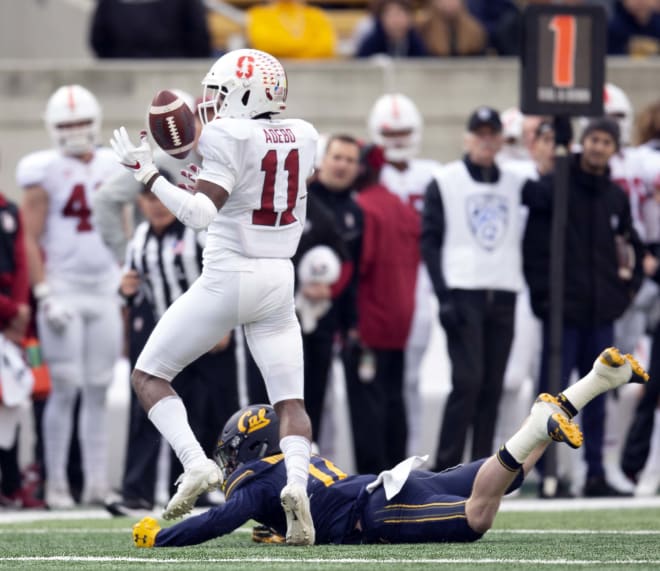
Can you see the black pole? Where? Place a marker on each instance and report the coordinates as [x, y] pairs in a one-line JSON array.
[[556, 313]]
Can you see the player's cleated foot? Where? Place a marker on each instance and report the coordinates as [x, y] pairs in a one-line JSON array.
[[191, 484], [560, 429], [617, 369], [556, 403], [145, 532], [548, 418], [299, 523], [265, 534]]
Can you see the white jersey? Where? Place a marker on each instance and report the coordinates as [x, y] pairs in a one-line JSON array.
[[263, 164], [410, 184], [637, 171], [74, 251]]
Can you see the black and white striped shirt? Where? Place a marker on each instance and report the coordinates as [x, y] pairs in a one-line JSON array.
[[167, 264]]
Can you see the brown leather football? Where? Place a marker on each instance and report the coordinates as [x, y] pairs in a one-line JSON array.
[[172, 124]]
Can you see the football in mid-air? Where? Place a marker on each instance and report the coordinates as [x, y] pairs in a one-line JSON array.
[[172, 124]]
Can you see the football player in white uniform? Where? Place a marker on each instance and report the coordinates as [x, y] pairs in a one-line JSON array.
[[396, 124], [75, 283], [250, 193]]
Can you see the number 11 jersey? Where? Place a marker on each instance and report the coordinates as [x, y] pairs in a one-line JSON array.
[[263, 164]]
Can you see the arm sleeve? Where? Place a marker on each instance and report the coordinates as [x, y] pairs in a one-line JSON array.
[[433, 231], [194, 210], [216, 522], [108, 205]]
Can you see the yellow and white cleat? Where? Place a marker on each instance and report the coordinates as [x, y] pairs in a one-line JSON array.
[[550, 416], [618, 369]]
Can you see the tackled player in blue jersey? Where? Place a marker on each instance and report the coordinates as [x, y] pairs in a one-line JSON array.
[[402, 505]]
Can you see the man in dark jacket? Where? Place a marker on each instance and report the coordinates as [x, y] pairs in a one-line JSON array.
[[601, 274]]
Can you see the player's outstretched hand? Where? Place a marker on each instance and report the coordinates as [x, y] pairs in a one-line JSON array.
[[138, 160], [190, 174]]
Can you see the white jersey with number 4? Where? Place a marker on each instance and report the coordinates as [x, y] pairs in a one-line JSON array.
[[73, 249], [263, 164]]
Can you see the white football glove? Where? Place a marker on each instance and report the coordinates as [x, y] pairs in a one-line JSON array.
[[57, 316], [138, 160]]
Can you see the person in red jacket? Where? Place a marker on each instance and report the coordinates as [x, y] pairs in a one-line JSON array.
[[14, 321], [388, 263]]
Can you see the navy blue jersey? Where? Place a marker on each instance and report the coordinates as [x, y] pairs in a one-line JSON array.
[[429, 508]]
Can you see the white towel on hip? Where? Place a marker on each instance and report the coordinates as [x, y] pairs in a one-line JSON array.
[[394, 479]]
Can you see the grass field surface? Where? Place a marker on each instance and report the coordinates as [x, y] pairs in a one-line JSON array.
[[592, 537]]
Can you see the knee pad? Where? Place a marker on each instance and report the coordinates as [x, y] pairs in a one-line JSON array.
[[65, 375]]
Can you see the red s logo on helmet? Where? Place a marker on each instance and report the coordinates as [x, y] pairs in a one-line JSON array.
[[245, 67]]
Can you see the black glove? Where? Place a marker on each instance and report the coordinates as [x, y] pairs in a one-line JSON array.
[[563, 130], [450, 313]]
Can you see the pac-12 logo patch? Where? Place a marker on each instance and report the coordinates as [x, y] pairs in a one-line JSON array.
[[488, 218]]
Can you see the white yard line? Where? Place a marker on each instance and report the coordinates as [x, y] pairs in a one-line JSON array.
[[347, 561]]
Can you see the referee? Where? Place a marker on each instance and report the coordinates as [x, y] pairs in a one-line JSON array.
[[163, 259]]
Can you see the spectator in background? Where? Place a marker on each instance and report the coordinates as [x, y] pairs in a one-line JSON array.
[[448, 29], [634, 28], [598, 284], [75, 284], [389, 258], [393, 32], [14, 321], [496, 16], [471, 232], [648, 126], [150, 29], [396, 124], [291, 29]]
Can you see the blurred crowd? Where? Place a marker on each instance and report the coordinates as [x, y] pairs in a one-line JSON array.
[[346, 28]]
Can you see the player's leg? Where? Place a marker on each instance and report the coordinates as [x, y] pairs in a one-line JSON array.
[[62, 352], [545, 423], [548, 420], [191, 326], [275, 340], [102, 347]]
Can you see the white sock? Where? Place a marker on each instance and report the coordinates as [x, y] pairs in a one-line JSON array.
[[297, 451], [170, 418], [586, 389], [521, 444]]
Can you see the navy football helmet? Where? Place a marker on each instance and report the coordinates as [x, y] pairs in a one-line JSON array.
[[250, 434]]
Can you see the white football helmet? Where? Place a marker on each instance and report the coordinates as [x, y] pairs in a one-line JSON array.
[[73, 119], [618, 106], [395, 124], [243, 84]]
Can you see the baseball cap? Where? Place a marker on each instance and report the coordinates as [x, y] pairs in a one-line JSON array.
[[484, 116]]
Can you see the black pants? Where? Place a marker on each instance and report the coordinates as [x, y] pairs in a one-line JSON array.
[[377, 410], [478, 350], [209, 392], [10, 474], [317, 351], [638, 442]]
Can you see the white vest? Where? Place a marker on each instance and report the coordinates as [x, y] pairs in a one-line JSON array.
[[482, 247]]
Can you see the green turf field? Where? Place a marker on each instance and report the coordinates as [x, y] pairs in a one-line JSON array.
[[609, 539]]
